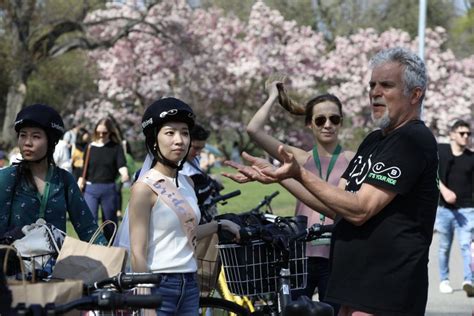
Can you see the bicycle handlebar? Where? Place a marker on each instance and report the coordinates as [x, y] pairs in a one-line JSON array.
[[224, 197], [314, 232], [266, 201], [104, 300], [123, 281], [247, 233]]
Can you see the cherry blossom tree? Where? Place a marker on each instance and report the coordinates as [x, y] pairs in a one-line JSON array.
[[214, 62], [219, 65], [36, 32]]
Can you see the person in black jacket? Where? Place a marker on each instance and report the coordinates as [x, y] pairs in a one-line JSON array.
[[205, 186], [456, 204]]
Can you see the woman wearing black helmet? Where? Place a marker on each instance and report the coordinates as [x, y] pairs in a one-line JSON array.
[[35, 187], [163, 209]]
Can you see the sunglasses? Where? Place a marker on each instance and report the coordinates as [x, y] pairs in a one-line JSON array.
[[463, 134], [321, 120]]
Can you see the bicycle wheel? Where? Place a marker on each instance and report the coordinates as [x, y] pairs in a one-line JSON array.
[[214, 306]]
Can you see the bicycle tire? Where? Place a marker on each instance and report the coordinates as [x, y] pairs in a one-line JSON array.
[[219, 306]]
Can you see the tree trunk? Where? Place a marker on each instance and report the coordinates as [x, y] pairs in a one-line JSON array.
[[19, 15], [15, 99]]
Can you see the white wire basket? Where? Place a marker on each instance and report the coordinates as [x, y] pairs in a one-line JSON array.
[[253, 269]]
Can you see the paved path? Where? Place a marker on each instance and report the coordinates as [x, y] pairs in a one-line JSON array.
[[453, 304]]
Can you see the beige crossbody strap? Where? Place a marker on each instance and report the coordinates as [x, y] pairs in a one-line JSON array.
[[173, 198]]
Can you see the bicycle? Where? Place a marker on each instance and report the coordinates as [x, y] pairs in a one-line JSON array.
[[104, 300], [130, 284], [112, 295], [221, 287], [207, 208], [247, 271], [207, 259]]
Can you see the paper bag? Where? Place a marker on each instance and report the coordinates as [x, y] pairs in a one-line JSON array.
[[208, 263], [88, 262], [58, 292]]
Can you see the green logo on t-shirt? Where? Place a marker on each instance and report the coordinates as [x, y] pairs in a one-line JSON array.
[[386, 174], [383, 178]]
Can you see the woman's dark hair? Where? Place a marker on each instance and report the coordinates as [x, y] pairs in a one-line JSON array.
[[80, 134], [109, 124], [117, 129], [199, 133], [327, 97]]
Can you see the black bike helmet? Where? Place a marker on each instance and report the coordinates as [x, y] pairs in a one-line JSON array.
[[158, 113], [45, 117], [167, 110]]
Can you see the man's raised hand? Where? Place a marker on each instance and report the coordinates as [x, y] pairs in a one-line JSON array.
[[289, 169]]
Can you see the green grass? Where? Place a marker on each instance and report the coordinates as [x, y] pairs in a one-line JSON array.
[[252, 193]]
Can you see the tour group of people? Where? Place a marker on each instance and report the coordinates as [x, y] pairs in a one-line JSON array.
[[384, 198]]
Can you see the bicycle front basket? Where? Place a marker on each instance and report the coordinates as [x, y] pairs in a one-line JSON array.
[[253, 269]]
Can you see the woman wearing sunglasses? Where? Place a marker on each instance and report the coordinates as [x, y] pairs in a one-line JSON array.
[[323, 115], [106, 162]]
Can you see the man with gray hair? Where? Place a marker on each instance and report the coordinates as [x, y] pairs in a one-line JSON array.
[[385, 204]]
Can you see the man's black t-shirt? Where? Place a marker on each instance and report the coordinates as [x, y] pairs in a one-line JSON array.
[[104, 163], [382, 266], [457, 173]]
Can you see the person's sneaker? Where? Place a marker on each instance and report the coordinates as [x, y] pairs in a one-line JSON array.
[[445, 288], [468, 288]]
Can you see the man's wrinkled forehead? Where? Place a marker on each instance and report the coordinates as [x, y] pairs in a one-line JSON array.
[[386, 71]]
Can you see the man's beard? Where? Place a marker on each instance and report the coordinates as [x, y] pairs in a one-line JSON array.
[[382, 122]]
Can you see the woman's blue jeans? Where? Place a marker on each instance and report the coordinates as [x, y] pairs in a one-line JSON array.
[[179, 293], [447, 222], [105, 195]]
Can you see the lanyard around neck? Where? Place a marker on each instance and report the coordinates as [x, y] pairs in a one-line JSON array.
[[334, 157], [45, 197], [317, 161]]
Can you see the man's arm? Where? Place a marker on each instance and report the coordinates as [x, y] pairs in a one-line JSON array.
[[448, 195], [356, 208], [305, 196]]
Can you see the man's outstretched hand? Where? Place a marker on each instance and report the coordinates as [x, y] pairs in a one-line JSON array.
[[289, 169], [250, 173]]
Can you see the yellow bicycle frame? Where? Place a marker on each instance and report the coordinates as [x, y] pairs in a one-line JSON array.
[[227, 295]]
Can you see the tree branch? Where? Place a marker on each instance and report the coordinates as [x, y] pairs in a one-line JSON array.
[[83, 42], [45, 43]]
